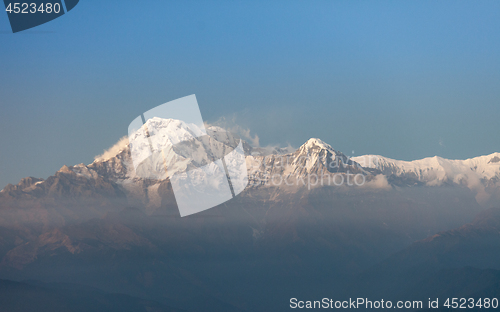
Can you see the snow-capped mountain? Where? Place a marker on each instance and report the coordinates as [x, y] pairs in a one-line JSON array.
[[162, 145], [313, 160], [436, 170], [480, 174], [185, 147]]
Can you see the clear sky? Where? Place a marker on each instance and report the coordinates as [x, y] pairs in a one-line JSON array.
[[404, 79]]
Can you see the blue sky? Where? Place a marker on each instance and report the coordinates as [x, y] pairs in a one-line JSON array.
[[404, 79]]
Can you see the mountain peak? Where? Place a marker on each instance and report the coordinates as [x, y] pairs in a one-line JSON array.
[[315, 145], [65, 169]]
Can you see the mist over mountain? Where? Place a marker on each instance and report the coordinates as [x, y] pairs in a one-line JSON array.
[[312, 222]]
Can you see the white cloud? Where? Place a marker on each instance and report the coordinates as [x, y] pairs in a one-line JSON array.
[[113, 150], [379, 182]]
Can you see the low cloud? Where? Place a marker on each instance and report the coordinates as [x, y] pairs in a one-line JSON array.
[[470, 179], [473, 182], [378, 182]]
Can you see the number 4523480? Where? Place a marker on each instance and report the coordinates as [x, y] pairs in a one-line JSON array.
[[462, 303], [33, 8]]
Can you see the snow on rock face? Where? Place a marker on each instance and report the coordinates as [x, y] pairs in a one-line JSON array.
[[171, 143], [185, 147], [435, 169], [313, 159], [315, 144], [173, 146], [315, 153], [475, 173], [166, 148]]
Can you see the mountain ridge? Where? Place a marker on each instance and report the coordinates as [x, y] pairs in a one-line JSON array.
[[113, 173]]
